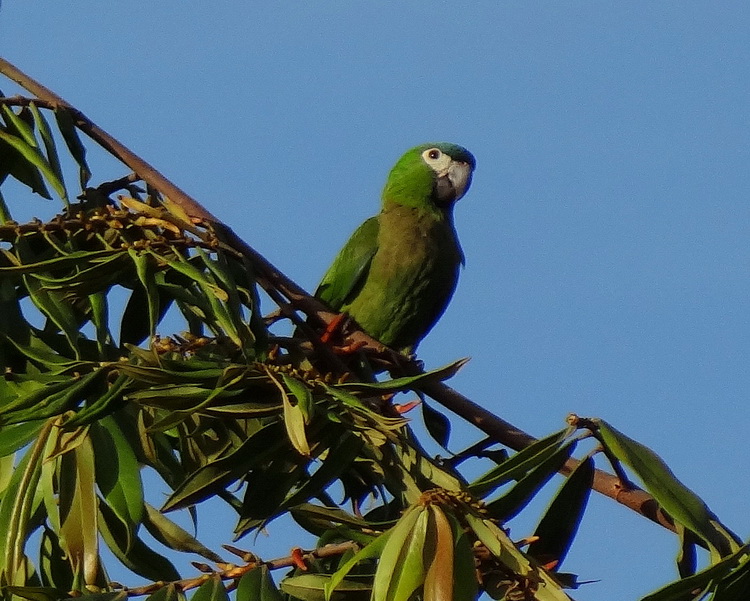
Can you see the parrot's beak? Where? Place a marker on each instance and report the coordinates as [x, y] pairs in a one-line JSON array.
[[459, 175]]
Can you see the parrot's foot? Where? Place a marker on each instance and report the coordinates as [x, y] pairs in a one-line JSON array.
[[334, 326]]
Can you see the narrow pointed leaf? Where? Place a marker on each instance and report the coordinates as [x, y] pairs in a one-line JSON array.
[[558, 527], [130, 550], [683, 589], [677, 499], [173, 536], [77, 149], [118, 473], [519, 464], [512, 502]]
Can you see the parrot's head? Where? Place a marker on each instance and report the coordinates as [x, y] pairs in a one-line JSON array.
[[430, 176]]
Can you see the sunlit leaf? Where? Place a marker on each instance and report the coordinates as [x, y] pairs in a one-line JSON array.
[[677, 499], [311, 587], [78, 512], [257, 585], [173, 536], [211, 590]]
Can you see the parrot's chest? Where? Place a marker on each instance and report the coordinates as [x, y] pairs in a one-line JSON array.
[[411, 278]]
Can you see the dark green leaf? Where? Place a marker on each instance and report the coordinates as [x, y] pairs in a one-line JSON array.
[[437, 424], [513, 501], [217, 475], [49, 145], [118, 473], [76, 148], [15, 437], [132, 552], [558, 526], [408, 382], [34, 157], [37, 593], [110, 400], [167, 593], [519, 464]]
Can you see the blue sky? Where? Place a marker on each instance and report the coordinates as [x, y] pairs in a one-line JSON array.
[[606, 232]]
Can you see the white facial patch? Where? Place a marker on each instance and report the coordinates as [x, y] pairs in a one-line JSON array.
[[438, 160]]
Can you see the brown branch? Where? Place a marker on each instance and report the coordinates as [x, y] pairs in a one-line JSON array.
[[234, 572], [270, 278]]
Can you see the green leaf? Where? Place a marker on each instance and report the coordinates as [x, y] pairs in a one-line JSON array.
[[173, 536], [703, 580], [37, 593], [677, 499], [311, 587], [211, 590], [13, 162], [257, 585], [56, 308], [131, 551], [49, 145], [465, 585], [407, 382], [12, 438], [54, 570], [109, 401], [19, 127], [16, 507], [438, 426], [78, 512], [519, 464], [118, 474], [170, 592], [303, 395], [34, 157], [498, 543], [51, 404], [77, 149], [294, 420], [373, 550], [217, 475], [395, 551], [337, 461], [558, 527], [512, 502]]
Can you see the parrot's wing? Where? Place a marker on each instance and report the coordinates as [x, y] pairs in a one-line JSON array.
[[348, 272]]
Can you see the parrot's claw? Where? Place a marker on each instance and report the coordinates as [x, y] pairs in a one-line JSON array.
[[333, 327]]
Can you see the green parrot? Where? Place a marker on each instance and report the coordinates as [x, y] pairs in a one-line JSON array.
[[397, 273]]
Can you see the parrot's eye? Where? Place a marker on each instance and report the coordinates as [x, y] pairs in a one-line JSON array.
[[434, 154]]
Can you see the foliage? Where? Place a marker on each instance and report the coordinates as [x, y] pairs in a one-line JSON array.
[[94, 393]]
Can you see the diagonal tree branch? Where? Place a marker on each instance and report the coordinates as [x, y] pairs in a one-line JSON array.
[[271, 279]]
